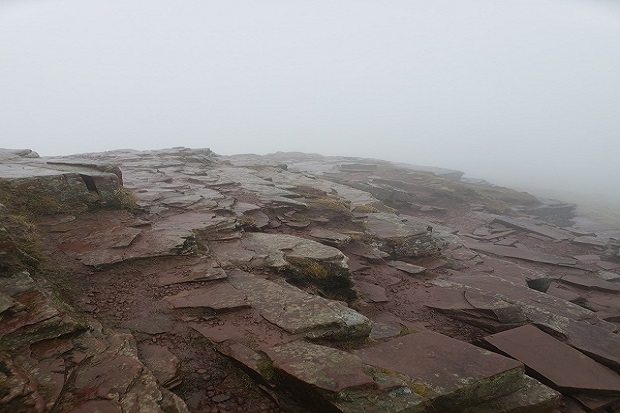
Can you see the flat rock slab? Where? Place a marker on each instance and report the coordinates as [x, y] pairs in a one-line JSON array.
[[296, 311], [219, 333], [162, 362], [406, 267], [372, 292], [218, 297], [561, 365], [366, 251], [151, 324], [329, 236], [195, 275], [323, 367], [520, 253], [591, 241], [533, 397], [442, 367], [387, 226], [337, 381], [276, 250], [529, 300], [601, 344], [608, 266], [528, 224], [590, 283]]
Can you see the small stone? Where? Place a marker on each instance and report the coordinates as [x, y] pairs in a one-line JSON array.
[[220, 398]]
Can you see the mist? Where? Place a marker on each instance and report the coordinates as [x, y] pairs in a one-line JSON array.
[[521, 93]]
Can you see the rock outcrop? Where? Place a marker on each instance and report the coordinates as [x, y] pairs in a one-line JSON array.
[[182, 281]]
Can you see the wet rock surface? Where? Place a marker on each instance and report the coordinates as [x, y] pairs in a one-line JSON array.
[[182, 281]]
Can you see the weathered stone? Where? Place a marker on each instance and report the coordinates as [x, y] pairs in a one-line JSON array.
[[401, 236], [310, 261], [533, 397], [219, 333], [197, 274], [521, 253], [566, 368], [591, 241], [162, 362], [320, 366], [406, 267], [39, 317], [333, 380], [6, 302], [446, 372], [372, 292], [47, 187], [528, 224], [151, 324], [478, 308], [590, 283], [330, 237], [297, 312], [218, 297]]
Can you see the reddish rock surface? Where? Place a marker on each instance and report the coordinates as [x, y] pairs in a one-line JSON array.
[[289, 282]]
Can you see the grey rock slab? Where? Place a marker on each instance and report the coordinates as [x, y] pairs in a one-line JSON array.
[[275, 250], [298, 312], [477, 308], [591, 241], [445, 371], [589, 283], [195, 275], [257, 219], [599, 343], [323, 367], [530, 301], [528, 224], [533, 397], [406, 267], [162, 362], [6, 302], [218, 297], [329, 236], [608, 276], [366, 251], [588, 258], [560, 364], [333, 380], [608, 266], [401, 236], [521, 253], [386, 226]]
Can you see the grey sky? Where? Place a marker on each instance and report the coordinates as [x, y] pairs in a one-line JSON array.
[[518, 92]]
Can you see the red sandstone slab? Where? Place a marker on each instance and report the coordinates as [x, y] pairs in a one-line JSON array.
[[372, 292], [532, 226], [520, 253], [441, 366], [218, 297], [560, 364], [608, 266], [323, 367], [406, 267], [590, 283]]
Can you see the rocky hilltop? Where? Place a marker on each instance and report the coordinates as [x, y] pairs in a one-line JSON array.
[[182, 281]]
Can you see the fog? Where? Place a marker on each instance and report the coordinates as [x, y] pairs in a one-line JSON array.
[[523, 93]]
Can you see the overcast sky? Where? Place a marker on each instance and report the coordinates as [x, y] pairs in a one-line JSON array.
[[523, 92]]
